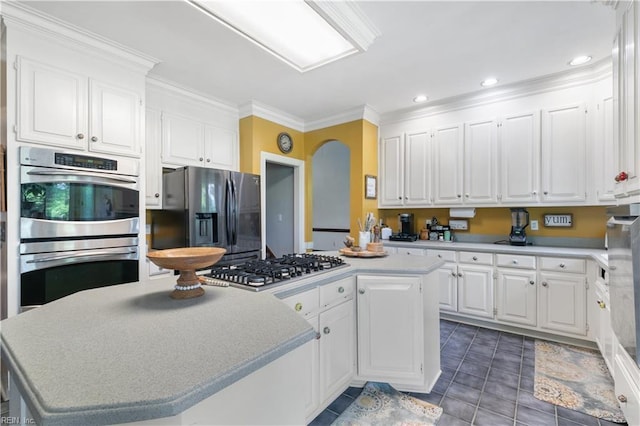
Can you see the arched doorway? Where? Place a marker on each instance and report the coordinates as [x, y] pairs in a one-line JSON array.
[[331, 166]]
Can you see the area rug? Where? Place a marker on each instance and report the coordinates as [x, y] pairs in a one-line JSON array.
[[575, 378], [381, 404]]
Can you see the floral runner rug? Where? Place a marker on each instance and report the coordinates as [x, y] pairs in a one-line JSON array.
[[575, 378], [381, 404]]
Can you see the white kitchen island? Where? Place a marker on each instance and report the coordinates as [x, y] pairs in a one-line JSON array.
[[129, 353]]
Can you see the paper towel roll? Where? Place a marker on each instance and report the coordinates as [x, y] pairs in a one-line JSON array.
[[462, 212]]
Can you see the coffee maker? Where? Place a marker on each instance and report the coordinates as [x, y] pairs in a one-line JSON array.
[[407, 228], [519, 221]]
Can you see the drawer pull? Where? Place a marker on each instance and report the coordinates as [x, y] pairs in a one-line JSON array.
[[440, 256], [298, 307], [326, 330], [475, 257], [562, 265], [340, 289], [622, 398], [514, 261]]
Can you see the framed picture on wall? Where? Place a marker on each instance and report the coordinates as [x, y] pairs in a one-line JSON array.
[[370, 186]]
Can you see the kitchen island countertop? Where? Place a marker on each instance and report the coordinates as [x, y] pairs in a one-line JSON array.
[[129, 352]]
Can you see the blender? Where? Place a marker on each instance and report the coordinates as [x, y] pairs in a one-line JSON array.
[[519, 221]]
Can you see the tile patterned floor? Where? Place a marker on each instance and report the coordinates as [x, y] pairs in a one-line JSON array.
[[487, 379]]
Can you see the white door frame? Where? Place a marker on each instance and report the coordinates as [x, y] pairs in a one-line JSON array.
[[299, 245]]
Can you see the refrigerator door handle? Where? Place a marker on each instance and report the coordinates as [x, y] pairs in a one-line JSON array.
[[236, 213], [228, 198]]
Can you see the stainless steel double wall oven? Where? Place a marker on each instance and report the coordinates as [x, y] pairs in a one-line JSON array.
[[79, 223]]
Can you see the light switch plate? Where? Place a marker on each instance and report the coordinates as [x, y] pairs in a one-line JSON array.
[[534, 225], [459, 224]]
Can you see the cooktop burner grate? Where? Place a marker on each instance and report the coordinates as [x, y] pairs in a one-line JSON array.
[[259, 273]]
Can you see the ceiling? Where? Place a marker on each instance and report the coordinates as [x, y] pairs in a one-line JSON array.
[[438, 48]]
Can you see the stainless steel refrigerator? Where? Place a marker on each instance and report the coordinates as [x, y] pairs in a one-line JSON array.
[[623, 238], [210, 208]]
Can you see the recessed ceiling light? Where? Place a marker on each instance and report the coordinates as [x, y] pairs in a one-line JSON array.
[[304, 34], [420, 98], [489, 82], [579, 60]]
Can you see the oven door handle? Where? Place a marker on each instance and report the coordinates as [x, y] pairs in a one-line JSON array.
[[81, 174], [88, 255]]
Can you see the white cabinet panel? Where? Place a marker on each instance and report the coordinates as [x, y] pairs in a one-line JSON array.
[[220, 148], [519, 147], [182, 140], [516, 296], [52, 105], [480, 162], [448, 164], [417, 162], [115, 119], [391, 171], [390, 328], [448, 280], [604, 161], [475, 290], [562, 302], [153, 169], [564, 153]]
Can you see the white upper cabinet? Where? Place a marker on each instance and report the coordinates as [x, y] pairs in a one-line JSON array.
[[604, 162], [564, 154], [519, 147], [62, 108], [447, 163], [153, 170], [404, 169], [480, 162], [417, 179], [183, 141], [391, 170]]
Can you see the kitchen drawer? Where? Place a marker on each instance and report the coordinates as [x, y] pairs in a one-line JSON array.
[[475, 258], [411, 251], [304, 303], [337, 292], [561, 264], [516, 261], [446, 255]]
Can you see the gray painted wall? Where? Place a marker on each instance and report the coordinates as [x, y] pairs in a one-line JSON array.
[[279, 209], [331, 190]]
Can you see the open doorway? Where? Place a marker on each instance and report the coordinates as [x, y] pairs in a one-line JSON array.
[[331, 195], [282, 193]]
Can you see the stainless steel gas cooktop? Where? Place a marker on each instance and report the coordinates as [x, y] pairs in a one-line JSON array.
[[257, 275]]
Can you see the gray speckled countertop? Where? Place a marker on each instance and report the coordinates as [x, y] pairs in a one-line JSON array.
[[129, 352]]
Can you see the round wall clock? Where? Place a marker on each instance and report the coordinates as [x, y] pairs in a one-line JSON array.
[[285, 142]]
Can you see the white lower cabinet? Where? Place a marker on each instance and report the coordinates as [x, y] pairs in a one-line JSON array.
[[627, 386], [562, 302], [390, 328], [604, 333], [516, 295], [448, 281], [330, 309], [475, 290]]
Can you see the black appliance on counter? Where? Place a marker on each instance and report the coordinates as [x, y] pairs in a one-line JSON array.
[[407, 228], [519, 221], [210, 208], [257, 275]]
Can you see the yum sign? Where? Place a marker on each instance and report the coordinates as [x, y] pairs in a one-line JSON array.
[[558, 220]]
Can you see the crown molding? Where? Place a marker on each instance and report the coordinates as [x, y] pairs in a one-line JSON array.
[[159, 83], [272, 114], [348, 19], [22, 16], [364, 112], [563, 80]]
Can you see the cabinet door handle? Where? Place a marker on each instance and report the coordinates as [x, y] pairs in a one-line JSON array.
[[208, 160], [601, 304], [80, 135], [318, 335], [622, 398], [459, 274], [546, 192], [340, 289], [532, 282], [200, 159], [94, 139], [399, 198], [544, 284], [361, 291], [156, 195], [298, 307], [562, 265], [459, 196], [326, 330]]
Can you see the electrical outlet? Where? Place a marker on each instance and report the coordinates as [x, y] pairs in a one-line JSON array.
[[534, 225]]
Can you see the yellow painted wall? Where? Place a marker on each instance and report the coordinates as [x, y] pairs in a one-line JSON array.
[[588, 222], [361, 136]]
